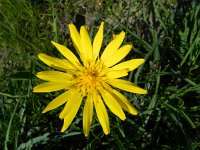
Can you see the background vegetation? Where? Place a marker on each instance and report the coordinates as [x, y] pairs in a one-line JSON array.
[[165, 32]]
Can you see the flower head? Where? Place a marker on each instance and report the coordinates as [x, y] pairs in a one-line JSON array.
[[90, 78]]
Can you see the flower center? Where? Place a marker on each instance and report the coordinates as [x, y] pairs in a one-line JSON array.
[[90, 78]]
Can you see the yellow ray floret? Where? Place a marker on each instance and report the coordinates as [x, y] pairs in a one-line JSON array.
[[86, 43], [112, 104], [55, 76], [67, 53], [112, 46], [88, 114], [98, 41], [70, 110], [58, 101], [102, 113], [127, 86], [118, 56], [90, 78]]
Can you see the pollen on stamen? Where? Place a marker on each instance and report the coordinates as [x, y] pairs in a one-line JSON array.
[[89, 79]]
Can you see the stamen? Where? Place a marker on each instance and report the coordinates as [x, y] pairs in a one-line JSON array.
[[90, 77]]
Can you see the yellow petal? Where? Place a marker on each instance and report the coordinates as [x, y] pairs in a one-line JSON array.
[[71, 110], [51, 86], [98, 41], [102, 113], [54, 62], [68, 64], [54, 76], [75, 36], [87, 114], [58, 101], [118, 56], [75, 97], [130, 64], [67, 53], [117, 73], [112, 47], [126, 86], [112, 104], [124, 103], [86, 43]]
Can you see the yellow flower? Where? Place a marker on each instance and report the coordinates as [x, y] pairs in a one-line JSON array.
[[90, 78]]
